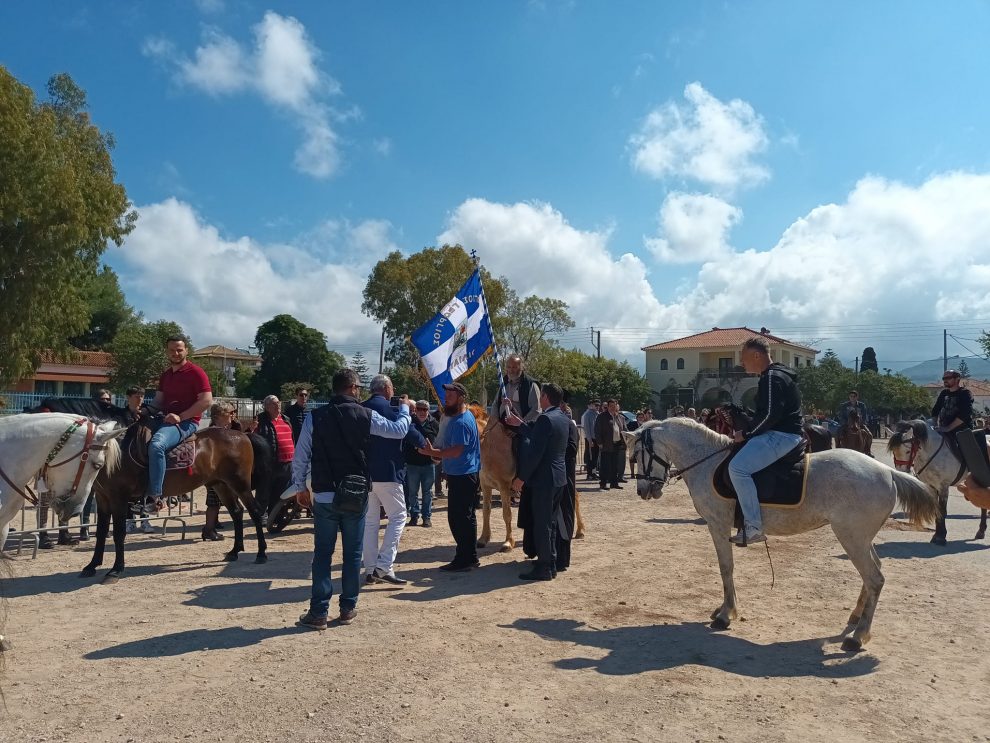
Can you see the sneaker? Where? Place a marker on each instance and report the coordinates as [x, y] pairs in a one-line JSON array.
[[130, 526], [427, 523], [414, 521], [148, 528], [748, 535], [347, 616], [311, 622]]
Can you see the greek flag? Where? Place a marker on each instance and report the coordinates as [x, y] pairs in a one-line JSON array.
[[453, 342]]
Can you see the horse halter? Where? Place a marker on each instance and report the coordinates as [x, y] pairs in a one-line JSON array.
[[646, 445], [915, 448]]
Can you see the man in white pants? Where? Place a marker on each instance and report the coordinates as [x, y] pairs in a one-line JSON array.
[[387, 465]]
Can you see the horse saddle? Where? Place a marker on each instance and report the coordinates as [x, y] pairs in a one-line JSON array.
[[180, 457], [973, 447], [782, 484]]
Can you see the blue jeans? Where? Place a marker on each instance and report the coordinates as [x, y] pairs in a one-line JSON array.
[[328, 521], [165, 438], [419, 477], [759, 452]]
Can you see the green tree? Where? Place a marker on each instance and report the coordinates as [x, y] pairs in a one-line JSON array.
[[984, 341], [243, 380], [139, 353], [59, 208], [292, 351], [869, 360], [529, 321], [108, 311], [360, 365], [403, 293], [964, 369]]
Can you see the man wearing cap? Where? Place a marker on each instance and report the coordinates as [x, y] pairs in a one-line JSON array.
[[459, 448], [419, 468]]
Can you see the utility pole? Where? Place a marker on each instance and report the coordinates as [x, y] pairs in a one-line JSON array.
[[596, 341], [856, 366], [381, 355], [945, 349]]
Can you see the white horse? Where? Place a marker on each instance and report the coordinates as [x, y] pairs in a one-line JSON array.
[[849, 491], [917, 445], [69, 448]]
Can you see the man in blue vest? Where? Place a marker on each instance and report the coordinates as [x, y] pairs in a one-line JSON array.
[[520, 390], [388, 476]]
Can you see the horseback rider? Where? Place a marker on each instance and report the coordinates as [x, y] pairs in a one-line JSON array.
[[521, 391], [853, 404], [184, 393], [953, 410], [774, 432]]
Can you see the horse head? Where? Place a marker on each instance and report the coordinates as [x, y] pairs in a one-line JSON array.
[[907, 439], [643, 446], [71, 482]]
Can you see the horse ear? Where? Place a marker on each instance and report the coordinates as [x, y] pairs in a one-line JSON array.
[[114, 433]]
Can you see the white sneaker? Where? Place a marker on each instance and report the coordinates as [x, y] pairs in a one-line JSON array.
[[147, 527], [748, 535]]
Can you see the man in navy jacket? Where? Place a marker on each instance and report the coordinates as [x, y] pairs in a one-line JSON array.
[[542, 471], [388, 476]]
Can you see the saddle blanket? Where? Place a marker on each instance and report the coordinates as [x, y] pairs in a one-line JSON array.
[[781, 485], [182, 456]]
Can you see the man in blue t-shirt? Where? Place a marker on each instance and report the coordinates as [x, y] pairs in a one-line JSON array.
[[459, 448]]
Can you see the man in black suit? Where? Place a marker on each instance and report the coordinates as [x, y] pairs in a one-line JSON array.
[[542, 471]]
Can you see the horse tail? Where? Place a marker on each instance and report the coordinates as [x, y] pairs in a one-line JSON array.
[[261, 472], [917, 499]]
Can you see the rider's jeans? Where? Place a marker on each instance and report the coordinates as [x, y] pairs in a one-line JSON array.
[[759, 452], [165, 438], [328, 523]]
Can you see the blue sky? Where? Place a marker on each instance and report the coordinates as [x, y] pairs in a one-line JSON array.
[[663, 167]]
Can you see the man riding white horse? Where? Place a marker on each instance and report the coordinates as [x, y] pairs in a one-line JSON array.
[[775, 431]]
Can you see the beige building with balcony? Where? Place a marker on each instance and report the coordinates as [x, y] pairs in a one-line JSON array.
[[709, 364]]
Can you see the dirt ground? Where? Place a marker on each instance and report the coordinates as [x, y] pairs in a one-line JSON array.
[[187, 647]]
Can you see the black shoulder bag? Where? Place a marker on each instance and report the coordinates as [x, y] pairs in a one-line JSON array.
[[351, 495]]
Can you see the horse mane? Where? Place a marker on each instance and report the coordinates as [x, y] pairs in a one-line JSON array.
[[111, 462], [918, 429], [480, 415], [711, 438]]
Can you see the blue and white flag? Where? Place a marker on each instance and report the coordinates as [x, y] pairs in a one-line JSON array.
[[453, 342]]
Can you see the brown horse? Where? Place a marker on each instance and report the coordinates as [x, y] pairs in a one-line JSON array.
[[854, 435], [224, 460]]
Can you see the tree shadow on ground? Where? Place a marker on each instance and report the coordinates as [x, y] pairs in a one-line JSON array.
[[33, 585], [633, 650], [924, 550], [190, 641], [243, 594]]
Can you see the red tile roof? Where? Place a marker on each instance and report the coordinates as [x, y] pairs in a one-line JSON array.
[[218, 351], [980, 387], [100, 359], [720, 338]]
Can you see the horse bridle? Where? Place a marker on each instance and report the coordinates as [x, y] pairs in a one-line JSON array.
[[83, 455], [646, 444], [915, 448]]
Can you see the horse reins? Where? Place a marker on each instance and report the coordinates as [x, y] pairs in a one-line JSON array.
[[915, 448], [654, 457], [83, 455]]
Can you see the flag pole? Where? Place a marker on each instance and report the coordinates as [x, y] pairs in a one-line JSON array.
[[491, 330]]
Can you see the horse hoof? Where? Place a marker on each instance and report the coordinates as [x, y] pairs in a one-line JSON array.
[[110, 578], [981, 533], [579, 535], [720, 623], [230, 557], [260, 559], [852, 645], [481, 543], [87, 573]]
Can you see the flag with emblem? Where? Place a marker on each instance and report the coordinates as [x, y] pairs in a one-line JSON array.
[[455, 340]]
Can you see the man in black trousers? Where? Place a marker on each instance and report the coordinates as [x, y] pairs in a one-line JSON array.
[[541, 469]]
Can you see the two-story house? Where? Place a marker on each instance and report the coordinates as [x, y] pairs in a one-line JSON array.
[[709, 364]]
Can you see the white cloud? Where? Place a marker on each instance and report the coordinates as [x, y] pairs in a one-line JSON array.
[[889, 254], [693, 228], [704, 139], [383, 146], [282, 67], [176, 266]]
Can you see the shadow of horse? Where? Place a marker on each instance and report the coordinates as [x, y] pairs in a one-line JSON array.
[[924, 550], [697, 522], [33, 585], [241, 595], [633, 650], [191, 641]]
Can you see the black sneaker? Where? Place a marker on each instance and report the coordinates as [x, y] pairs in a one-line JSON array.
[[312, 622], [460, 567], [427, 523], [414, 521]]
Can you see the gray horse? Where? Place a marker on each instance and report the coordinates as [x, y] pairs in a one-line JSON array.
[[849, 491]]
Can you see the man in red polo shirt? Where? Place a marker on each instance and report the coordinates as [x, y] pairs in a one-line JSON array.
[[184, 393]]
